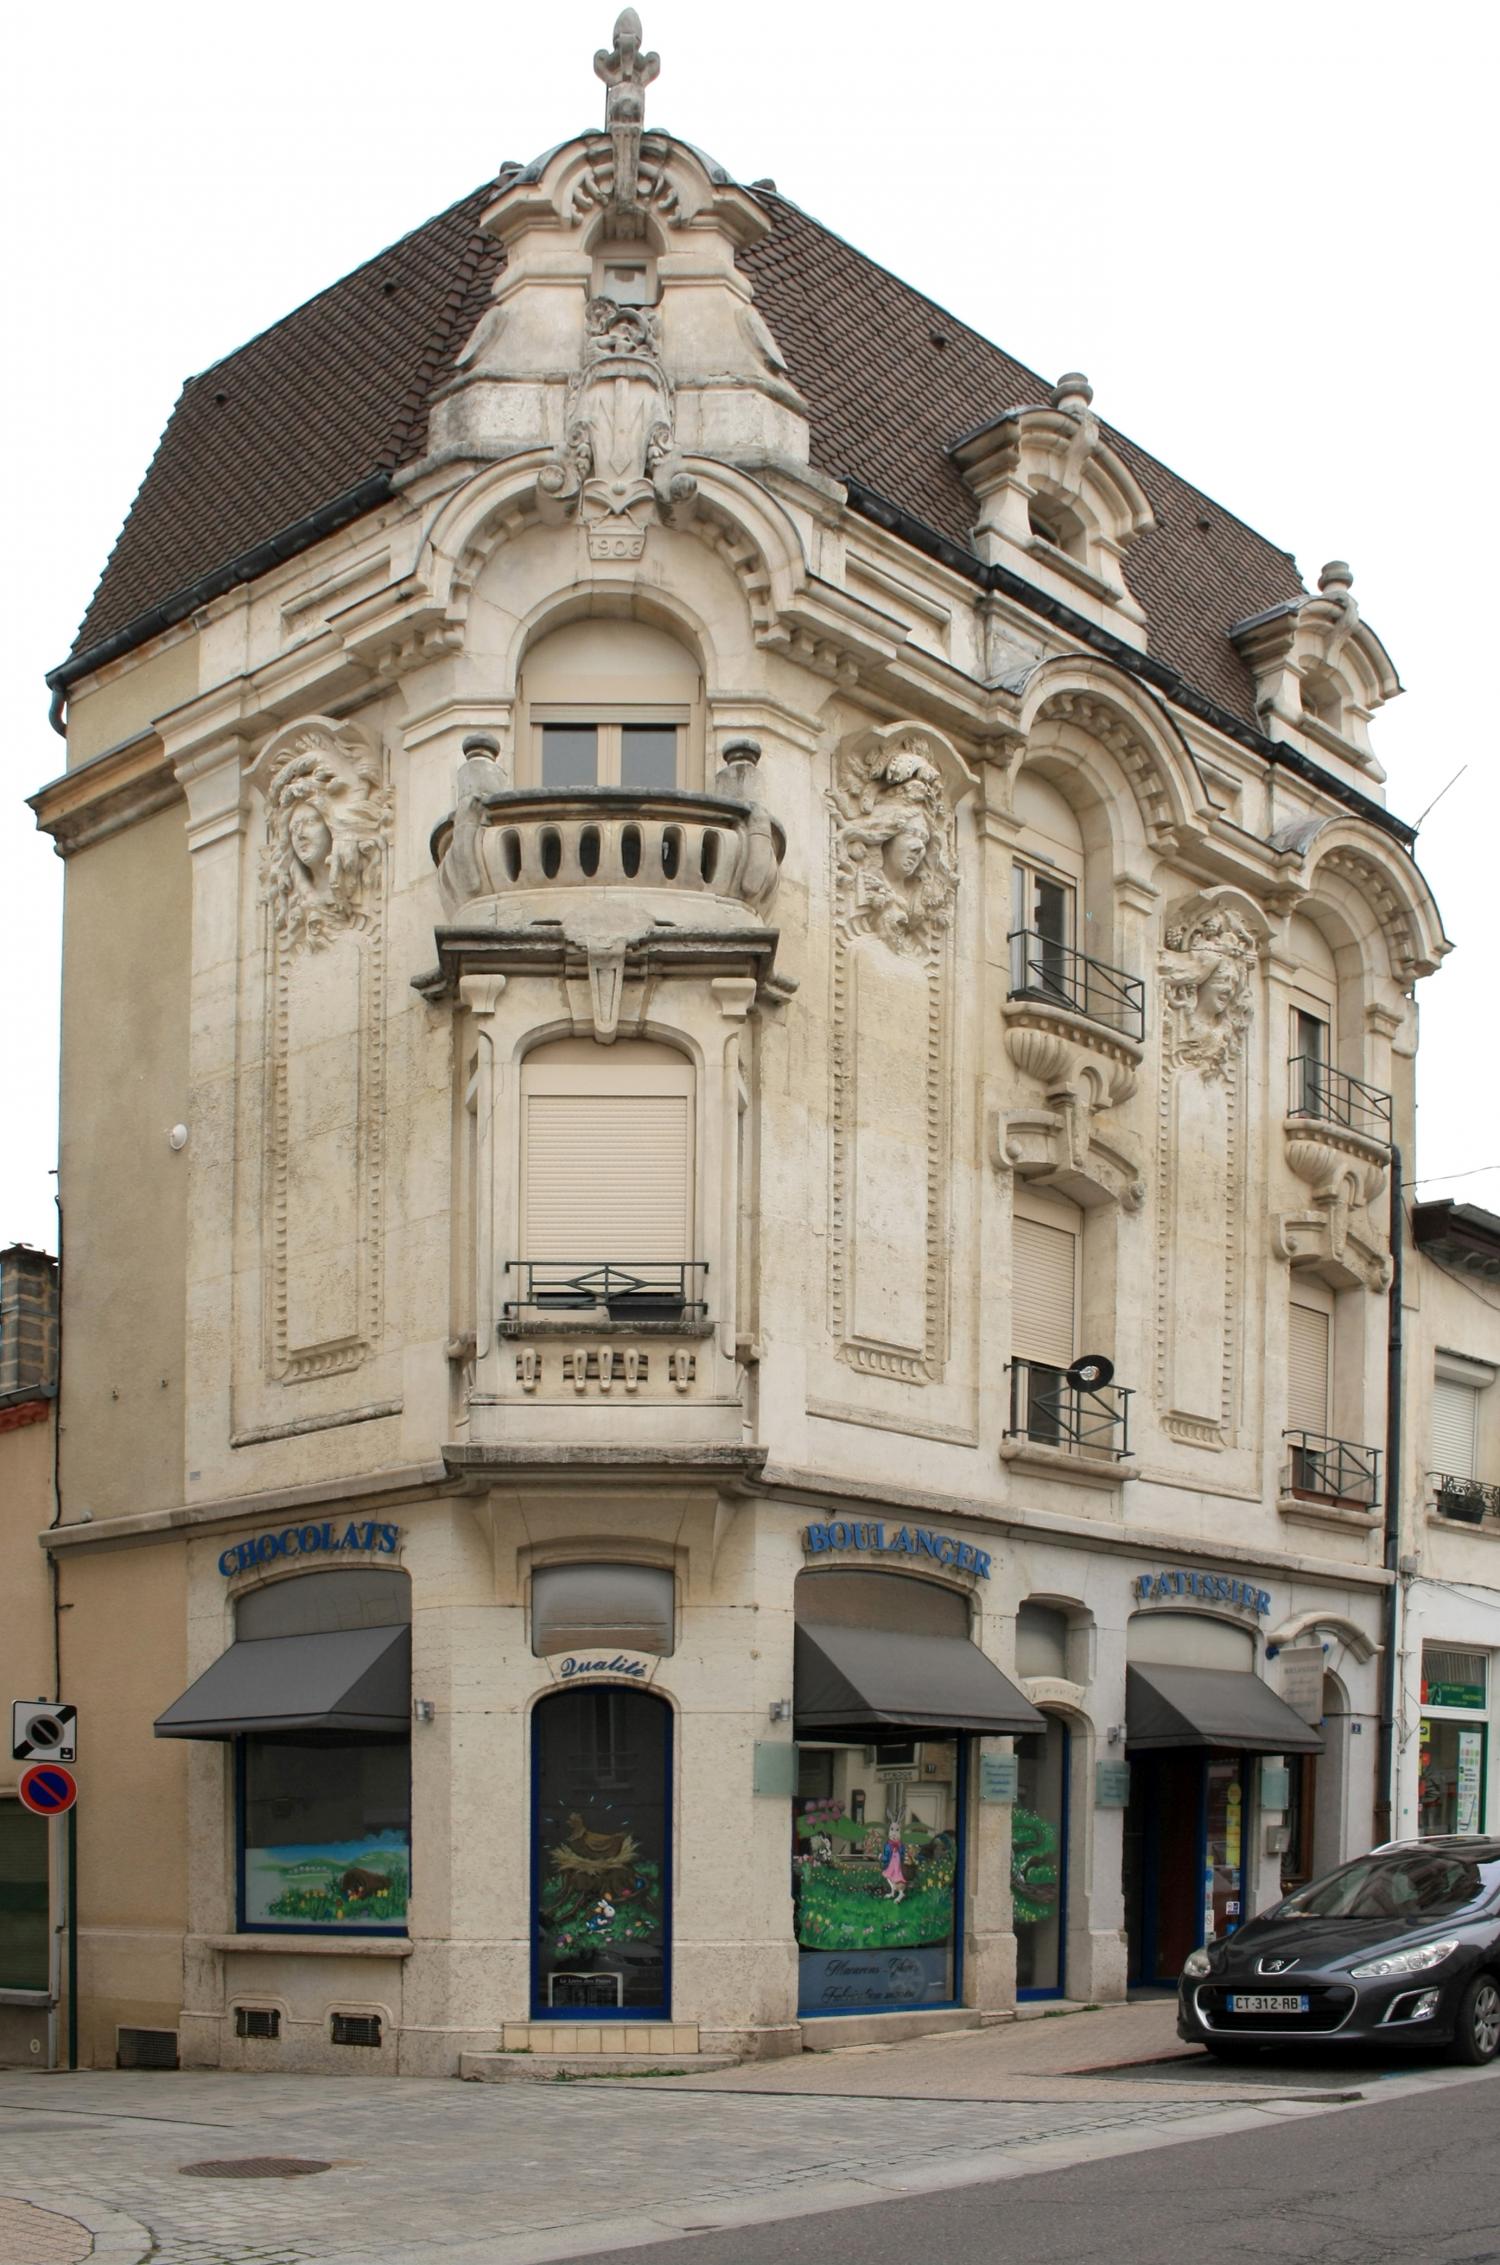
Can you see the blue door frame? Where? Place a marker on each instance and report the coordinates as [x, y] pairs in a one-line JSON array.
[[1060, 1988]]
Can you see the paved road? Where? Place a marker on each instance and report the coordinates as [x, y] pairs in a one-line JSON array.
[[1410, 2180]]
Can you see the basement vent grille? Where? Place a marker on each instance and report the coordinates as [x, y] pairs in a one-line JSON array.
[[257, 2021], [356, 2029], [145, 2048]]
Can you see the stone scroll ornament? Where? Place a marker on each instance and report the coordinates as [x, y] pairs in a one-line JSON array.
[[895, 880], [1208, 972], [618, 468], [327, 819]]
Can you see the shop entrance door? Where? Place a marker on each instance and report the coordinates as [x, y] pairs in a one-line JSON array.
[[1039, 1861], [1184, 1857], [601, 1855]]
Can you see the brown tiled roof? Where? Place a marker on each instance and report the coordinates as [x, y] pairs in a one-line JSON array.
[[339, 391]]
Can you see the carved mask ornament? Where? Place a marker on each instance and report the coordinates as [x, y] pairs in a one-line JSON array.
[[895, 844], [326, 814], [1208, 970]]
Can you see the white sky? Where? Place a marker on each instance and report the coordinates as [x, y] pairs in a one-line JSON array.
[[1266, 233]]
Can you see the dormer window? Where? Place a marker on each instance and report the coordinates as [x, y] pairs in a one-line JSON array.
[[1051, 522]]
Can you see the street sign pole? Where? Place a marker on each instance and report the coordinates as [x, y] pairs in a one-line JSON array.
[[72, 1831], [57, 1918]]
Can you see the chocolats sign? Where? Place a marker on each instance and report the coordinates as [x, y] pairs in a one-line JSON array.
[[872, 1538], [1179, 1585], [323, 1540]]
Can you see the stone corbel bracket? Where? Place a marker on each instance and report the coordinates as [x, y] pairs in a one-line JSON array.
[[1083, 1072], [1335, 1237]]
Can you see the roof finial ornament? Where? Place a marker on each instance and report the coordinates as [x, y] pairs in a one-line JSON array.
[[626, 73]]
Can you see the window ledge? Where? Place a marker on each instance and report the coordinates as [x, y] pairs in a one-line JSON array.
[[1065, 1463], [1449, 1525], [587, 1324], [1307, 1510], [1063, 562], [40, 1998], [311, 1945]]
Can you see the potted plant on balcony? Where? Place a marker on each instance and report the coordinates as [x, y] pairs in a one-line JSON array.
[[1457, 1498]]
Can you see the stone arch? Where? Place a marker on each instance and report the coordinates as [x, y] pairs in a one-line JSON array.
[[1351, 1635], [1148, 786], [1379, 894]]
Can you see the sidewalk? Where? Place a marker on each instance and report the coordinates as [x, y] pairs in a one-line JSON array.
[[410, 2171]]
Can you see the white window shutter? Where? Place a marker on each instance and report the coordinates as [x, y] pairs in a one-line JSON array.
[[607, 1177], [1455, 1409], [1044, 1266], [1307, 1380]]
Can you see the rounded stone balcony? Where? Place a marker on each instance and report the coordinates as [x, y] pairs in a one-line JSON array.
[[519, 845]]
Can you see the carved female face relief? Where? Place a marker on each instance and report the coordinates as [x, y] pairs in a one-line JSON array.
[[895, 843], [1207, 967], [325, 815]]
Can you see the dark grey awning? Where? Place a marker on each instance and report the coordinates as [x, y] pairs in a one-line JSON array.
[[1211, 1706], [850, 1682], [344, 1679]]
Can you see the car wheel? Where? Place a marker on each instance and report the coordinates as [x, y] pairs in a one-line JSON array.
[[1222, 2050], [1476, 2033]]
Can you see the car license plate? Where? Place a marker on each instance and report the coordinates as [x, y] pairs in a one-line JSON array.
[[1240, 2002]]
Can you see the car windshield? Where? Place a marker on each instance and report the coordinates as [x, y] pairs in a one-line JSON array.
[[1414, 1885]]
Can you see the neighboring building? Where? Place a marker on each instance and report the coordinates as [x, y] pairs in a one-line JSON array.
[[28, 1417], [684, 884], [1450, 1642]]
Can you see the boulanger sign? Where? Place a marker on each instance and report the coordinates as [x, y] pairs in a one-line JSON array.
[[324, 1540], [1179, 1585], [869, 1536]]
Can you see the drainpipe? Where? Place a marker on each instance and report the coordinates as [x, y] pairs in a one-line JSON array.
[[1385, 1776]]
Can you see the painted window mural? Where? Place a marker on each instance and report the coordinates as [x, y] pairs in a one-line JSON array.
[[1037, 1858], [875, 1845], [326, 1833], [601, 1760]]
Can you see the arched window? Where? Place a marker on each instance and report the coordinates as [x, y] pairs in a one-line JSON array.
[[601, 1854], [606, 1198], [611, 704]]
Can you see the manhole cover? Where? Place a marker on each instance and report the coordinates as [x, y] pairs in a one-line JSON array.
[[256, 2166]]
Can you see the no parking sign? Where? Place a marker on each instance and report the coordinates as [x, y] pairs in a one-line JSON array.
[[48, 1790]]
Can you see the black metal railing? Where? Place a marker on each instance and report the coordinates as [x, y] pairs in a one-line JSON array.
[[1332, 1470], [650, 1289], [1335, 1098], [1041, 968], [1468, 1501], [1046, 1409]]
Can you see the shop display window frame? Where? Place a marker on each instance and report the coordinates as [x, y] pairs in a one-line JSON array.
[[340, 1933], [963, 1769], [11, 1981], [591, 2016], [1036, 1995], [1150, 1906]]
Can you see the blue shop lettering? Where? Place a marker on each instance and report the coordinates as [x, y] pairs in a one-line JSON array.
[[616, 1666], [1179, 1581], [326, 1538], [869, 1535]]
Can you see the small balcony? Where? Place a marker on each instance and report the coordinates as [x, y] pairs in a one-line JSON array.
[[1331, 1097], [1049, 974], [653, 1295], [1333, 1472], [1049, 1411], [1467, 1502]]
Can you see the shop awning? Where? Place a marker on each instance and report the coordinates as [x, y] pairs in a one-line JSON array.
[[852, 1682], [342, 1679], [1211, 1706]]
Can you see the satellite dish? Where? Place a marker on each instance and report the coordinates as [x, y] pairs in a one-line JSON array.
[[1090, 1372]]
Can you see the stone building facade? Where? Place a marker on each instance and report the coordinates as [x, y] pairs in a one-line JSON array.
[[726, 1349]]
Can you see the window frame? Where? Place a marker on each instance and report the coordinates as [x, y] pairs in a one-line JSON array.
[[610, 719], [246, 1926]]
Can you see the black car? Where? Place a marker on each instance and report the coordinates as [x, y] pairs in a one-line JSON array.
[[1401, 1947]]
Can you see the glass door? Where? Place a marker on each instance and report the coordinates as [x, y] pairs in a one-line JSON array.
[[601, 1855], [1224, 1847], [876, 1853], [1039, 1861]]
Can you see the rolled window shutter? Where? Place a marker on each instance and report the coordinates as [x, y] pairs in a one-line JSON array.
[[1455, 1408], [1044, 1263], [606, 1177], [1307, 1381]]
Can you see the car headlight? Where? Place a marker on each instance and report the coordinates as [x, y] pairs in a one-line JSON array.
[[1196, 1963], [1405, 1961]]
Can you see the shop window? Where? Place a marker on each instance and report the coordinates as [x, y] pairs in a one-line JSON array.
[[325, 1823], [23, 1898], [875, 1851], [606, 1179], [576, 1608], [856, 1599], [611, 704], [1038, 1861], [601, 1883]]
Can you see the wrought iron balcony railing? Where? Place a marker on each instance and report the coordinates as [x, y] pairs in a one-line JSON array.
[[654, 1290], [1335, 1098], [1043, 969], [1468, 1501], [1332, 1470], [1049, 1411]]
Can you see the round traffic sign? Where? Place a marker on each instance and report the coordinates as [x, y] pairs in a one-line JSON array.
[[48, 1790]]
